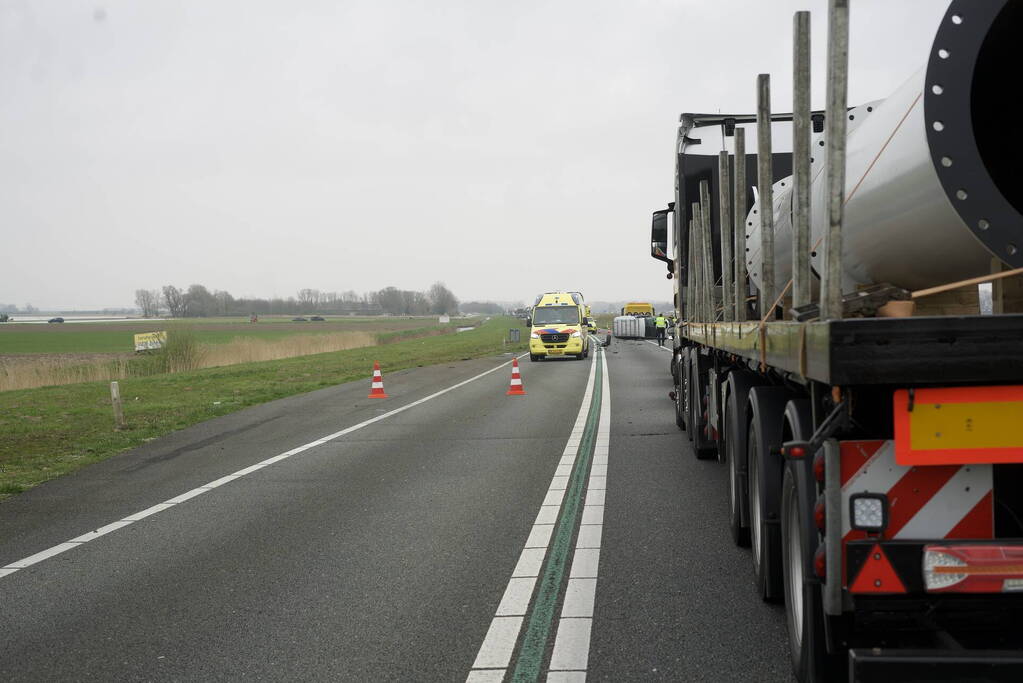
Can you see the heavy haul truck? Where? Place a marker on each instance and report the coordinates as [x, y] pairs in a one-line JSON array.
[[832, 353]]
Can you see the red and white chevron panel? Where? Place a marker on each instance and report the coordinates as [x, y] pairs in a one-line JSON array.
[[925, 502]]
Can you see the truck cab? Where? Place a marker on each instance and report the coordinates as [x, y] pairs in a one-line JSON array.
[[559, 327]]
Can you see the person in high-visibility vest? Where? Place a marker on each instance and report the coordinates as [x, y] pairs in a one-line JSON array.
[[662, 326]]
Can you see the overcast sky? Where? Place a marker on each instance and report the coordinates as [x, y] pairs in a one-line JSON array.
[[503, 148]]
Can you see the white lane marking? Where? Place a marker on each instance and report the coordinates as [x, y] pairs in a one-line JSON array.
[[554, 497], [539, 536], [593, 514], [572, 642], [566, 677], [188, 495], [559, 483], [663, 348], [572, 646], [516, 597], [579, 596], [44, 555], [589, 536], [530, 562], [171, 502], [584, 563], [102, 531], [548, 514], [500, 641], [498, 645], [486, 676]]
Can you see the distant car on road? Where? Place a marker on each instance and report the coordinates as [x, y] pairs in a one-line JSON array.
[[316, 318], [55, 320], [299, 319]]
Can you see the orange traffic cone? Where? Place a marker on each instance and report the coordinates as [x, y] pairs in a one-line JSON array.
[[516, 381], [377, 390]]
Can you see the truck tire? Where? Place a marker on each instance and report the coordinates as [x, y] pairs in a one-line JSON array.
[[682, 393], [680, 410], [767, 410], [704, 448], [736, 426], [533, 358], [804, 614]]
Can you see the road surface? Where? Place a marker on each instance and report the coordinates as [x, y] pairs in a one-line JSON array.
[[448, 533]]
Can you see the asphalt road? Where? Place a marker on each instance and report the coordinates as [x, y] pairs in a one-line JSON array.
[[394, 551]]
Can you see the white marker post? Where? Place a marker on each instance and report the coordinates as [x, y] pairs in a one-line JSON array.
[[115, 399]]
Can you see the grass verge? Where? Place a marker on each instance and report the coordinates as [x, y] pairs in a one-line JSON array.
[[51, 431]]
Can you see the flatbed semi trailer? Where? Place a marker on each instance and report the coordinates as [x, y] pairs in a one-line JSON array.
[[875, 463]]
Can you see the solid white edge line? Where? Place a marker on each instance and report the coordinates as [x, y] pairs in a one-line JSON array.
[[499, 643], [171, 502], [665, 348]]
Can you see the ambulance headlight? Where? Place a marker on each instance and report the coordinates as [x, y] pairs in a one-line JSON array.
[[534, 335], [576, 334]]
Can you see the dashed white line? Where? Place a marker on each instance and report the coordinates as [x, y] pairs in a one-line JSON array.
[[13, 567]]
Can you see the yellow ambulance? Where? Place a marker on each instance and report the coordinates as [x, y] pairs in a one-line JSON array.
[[559, 326]]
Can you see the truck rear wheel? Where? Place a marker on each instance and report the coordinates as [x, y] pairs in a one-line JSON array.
[[767, 409], [682, 395], [734, 449], [703, 447], [803, 611]]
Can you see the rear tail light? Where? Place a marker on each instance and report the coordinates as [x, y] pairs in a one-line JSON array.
[[794, 450], [820, 564], [819, 516], [818, 466], [973, 568]]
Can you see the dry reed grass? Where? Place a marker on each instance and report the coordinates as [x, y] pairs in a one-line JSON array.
[[250, 350], [27, 372]]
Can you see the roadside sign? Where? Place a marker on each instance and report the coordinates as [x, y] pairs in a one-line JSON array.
[[150, 340]]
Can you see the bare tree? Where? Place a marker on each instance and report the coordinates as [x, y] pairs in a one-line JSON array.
[[308, 298], [148, 301], [174, 300], [390, 300], [441, 299], [199, 302]]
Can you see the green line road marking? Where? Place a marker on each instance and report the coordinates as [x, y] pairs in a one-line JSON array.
[[541, 619]]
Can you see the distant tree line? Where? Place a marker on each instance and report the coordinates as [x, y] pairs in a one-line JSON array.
[[12, 308], [482, 307], [199, 302]]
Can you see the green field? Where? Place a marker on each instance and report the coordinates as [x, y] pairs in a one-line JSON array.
[[50, 431], [118, 337]]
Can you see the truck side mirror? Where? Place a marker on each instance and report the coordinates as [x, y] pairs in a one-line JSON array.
[[659, 238], [529, 322]]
